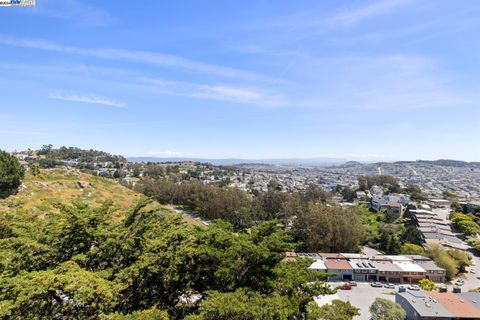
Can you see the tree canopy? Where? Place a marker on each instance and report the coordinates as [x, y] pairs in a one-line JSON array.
[[81, 263], [383, 309]]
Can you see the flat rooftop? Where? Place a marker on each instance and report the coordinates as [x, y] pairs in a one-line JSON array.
[[457, 304], [424, 305], [409, 266]]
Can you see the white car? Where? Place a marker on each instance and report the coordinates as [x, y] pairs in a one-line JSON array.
[[472, 270], [459, 283], [414, 287]]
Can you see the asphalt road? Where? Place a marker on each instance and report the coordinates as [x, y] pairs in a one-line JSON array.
[[363, 295]]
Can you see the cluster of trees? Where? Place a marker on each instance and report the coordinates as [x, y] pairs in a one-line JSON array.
[[452, 260], [385, 233], [468, 224], [11, 173], [390, 185], [325, 228], [386, 181], [80, 263], [70, 153], [316, 225]]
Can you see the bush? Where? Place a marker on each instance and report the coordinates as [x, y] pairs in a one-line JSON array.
[[11, 172]]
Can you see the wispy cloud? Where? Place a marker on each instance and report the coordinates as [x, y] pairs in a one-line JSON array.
[[169, 153], [213, 92], [356, 15], [80, 12], [90, 98], [146, 57]]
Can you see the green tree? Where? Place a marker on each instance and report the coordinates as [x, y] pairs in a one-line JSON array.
[[328, 228], [462, 258], [383, 309], [337, 310], [456, 207], [136, 171], [35, 169], [444, 260], [11, 172], [148, 314], [245, 305], [67, 292], [298, 283], [427, 285], [410, 248], [348, 194], [469, 228], [415, 192]]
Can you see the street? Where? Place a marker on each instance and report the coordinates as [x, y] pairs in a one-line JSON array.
[[363, 295]]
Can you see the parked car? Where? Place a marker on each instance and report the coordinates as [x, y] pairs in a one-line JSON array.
[[353, 283], [347, 286], [414, 287], [389, 286], [459, 283], [472, 270], [376, 284]]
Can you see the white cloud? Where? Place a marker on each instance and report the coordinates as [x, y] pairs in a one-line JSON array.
[[213, 92], [90, 98], [147, 57], [353, 16], [169, 153]]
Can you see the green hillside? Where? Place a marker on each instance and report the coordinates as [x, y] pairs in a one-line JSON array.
[[40, 195]]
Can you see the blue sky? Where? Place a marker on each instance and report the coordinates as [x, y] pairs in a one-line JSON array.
[[363, 80]]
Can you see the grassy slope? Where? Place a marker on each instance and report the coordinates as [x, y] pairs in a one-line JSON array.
[[38, 194]]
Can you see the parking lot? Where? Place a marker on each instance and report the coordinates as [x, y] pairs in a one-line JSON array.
[[363, 295]]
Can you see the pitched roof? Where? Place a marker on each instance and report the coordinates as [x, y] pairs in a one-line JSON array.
[[336, 264], [318, 265]]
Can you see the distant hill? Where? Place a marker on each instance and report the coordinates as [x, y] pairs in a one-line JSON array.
[[234, 161], [450, 163]]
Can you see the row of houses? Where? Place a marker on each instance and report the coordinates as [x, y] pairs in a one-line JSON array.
[[384, 268], [434, 229]]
